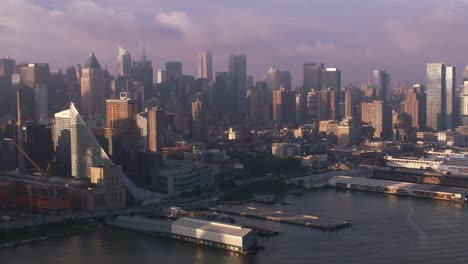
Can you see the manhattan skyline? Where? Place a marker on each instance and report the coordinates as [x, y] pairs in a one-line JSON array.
[[357, 38]]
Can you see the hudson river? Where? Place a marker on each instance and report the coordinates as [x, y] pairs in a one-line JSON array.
[[386, 229]]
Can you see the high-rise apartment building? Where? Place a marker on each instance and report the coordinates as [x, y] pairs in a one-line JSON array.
[[259, 110], [415, 106], [440, 89], [284, 106], [313, 76], [378, 115], [156, 129], [62, 141], [205, 65], [124, 62], [93, 100], [328, 105]]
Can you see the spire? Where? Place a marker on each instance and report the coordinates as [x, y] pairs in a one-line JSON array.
[[92, 62]]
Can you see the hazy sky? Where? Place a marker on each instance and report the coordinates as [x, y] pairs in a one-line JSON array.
[[353, 35]]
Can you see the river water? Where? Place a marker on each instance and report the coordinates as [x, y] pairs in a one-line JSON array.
[[386, 229]]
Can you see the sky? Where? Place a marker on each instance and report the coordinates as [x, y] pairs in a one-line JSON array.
[[355, 36]]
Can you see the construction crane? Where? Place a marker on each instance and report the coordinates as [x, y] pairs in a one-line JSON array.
[[41, 172]]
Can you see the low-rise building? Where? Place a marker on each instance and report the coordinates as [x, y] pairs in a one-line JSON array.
[[177, 177], [286, 149]]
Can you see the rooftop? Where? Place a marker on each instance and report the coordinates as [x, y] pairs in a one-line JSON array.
[[211, 226]]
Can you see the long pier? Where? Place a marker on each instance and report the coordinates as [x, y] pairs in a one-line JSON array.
[[283, 217]]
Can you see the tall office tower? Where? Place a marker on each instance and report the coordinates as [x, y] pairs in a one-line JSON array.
[[161, 76], [173, 71], [284, 106], [34, 81], [93, 100], [221, 92], [273, 79], [238, 83], [440, 96], [143, 72], [378, 115], [259, 110], [312, 103], [57, 92], [331, 79], [124, 63], [205, 65], [328, 105], [156, 129], [353, 97], [450, 97], [121, 120], [381, 84], [312, 76], [415, 105], [286, 80], [464, 104], [7, 98], [73, 87], [301, 108], [198, 127]]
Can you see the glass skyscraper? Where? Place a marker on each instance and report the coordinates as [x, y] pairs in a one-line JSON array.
[[440, 89]]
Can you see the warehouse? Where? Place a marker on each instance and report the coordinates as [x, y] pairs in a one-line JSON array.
[[215, 234], [401, 188]]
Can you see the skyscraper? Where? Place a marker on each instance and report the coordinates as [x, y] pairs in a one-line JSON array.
[[124, 62], [156, 129], [259, 110], [381, 84], [143, 72], [415, 105], [7, 98], [205, 65], [331, 79], [93, 100], [286, 80], [328, 105], [238, 83], [273, 79], [441, 83], [198, 128], [464, 104], [312, 76], [173, 71], [379, 116], [34, 83], [284, 106]]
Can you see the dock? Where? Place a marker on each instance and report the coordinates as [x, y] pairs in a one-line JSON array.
[[283, 217]]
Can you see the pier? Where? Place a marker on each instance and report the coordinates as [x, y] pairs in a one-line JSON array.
[[283, 217]]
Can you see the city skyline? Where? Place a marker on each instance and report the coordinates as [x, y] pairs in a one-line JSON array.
[[397, 41]]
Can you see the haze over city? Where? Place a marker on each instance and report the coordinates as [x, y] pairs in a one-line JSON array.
[[355, 36]]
